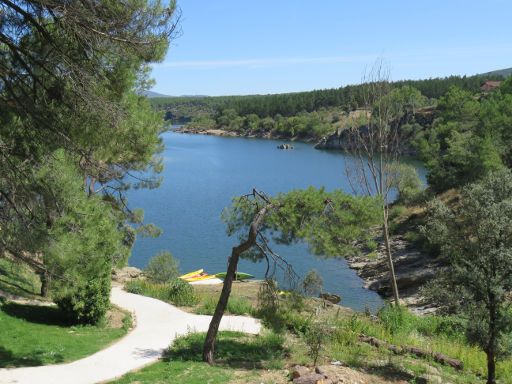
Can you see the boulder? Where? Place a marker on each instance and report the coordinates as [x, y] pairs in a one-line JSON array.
[[312, 378], [299, 371], [285, 146], [335, 299], [125, 274]]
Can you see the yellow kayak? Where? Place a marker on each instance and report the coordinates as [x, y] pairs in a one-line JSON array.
[[191, 274], [202, 277]]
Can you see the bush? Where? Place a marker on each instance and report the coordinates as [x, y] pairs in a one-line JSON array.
[[397, 319], [86, 303], [407, 183], [162, 268], [314, 338], [313, 283], [181, 293]]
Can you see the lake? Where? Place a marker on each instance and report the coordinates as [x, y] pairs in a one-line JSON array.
[[203, 173]]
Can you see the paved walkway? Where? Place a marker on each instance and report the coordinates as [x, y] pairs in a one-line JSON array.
[[157, 325]]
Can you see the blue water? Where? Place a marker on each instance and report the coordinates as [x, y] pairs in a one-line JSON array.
[[203, 173]]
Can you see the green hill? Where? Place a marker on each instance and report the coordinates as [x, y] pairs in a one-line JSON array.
[[500, 72]]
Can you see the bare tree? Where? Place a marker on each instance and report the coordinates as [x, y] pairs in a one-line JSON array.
[[374, 141]]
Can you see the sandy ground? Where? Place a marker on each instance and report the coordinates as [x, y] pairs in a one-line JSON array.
[[213, 281], [157, 325]]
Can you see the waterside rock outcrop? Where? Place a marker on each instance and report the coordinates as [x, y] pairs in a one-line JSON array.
[[412, 268]]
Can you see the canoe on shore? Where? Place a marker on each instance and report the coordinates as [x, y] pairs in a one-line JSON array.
[[192, 274], [200, 277], [238, 275]]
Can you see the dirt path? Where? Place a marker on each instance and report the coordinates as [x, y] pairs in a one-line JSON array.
[[157, 325]]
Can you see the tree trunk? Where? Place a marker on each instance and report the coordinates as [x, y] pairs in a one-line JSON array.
[[392, 276], [491, 368], [491, 347], [45, 283], [209, 343]]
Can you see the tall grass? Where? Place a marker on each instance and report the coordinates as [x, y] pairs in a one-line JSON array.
[[176, 291], [236, 306], [444, 334]]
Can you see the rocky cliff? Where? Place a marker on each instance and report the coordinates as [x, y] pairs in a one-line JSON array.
[[412, 268]]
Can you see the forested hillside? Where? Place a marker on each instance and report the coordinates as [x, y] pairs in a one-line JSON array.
[[289, 104], [308, 116]]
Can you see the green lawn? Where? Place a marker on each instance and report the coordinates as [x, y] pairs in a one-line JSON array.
[[18, 279], [238, 356], [36, 335], [178, 372]]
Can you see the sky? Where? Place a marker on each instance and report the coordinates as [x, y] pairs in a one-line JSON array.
[[234, 47]]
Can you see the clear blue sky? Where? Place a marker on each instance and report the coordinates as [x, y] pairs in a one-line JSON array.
[[270, 46]]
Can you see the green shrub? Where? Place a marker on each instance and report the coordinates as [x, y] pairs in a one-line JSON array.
[[181, 293], [294, 321], [313, 283], [407, 182], [135, 286], [397, 319], [86, 303], [315, 337], [162, 268]]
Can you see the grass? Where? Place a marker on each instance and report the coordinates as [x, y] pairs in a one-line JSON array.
[[18, 279], [197, 299], [399, 327], [175, 292], [243, 358], [178, 372], [236, 306], [238, 356], [233, 349], [39, 335]]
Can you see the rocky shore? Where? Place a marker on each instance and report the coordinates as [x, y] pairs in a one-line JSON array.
[[412, 268], [224, 133], [341, 142]]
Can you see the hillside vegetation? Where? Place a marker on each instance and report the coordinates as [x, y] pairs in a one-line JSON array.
[[303, 115]]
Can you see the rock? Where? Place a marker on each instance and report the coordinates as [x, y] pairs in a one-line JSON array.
[[335, 299], [125, 274], [359, 265], [337, 363], [319, 370], [313, 378], [413, 269], [433, 379], [299, 371], [285, 146]]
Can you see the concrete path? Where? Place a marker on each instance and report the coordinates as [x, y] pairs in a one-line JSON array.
[[157, 325]]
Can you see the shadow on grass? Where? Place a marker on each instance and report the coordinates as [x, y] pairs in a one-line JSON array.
[[14, 283], [232, 349], [13, 288], [392, 372], [9, 359], [37, 314]]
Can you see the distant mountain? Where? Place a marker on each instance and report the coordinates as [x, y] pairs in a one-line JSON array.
[[151, 94], [193, 96], [500, 72], [154, 95]]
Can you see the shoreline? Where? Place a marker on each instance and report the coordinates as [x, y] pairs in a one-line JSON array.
[[412, 269], [224, 133]]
